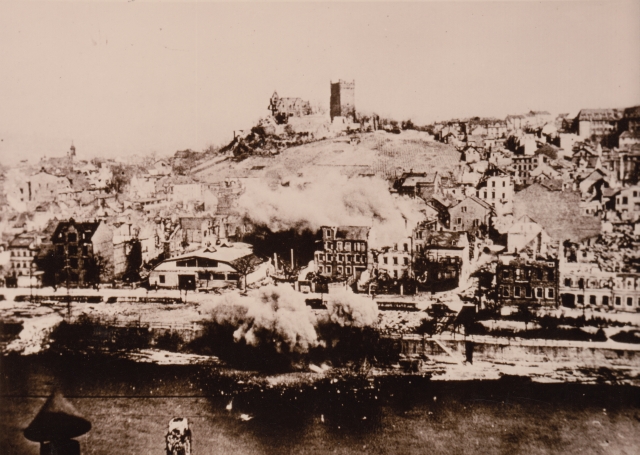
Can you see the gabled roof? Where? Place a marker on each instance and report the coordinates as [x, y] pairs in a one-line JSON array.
[[88, 228], [22, 240], [477, 201], [599, 115], [632, 112]]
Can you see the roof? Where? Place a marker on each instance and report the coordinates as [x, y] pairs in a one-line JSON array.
[[548, 150], [22, 240], [443, 240], [558, 212], [352, 233], [477, 201], [86, 227], [599, 114], [552, 184], [632, 112], [222, 253]]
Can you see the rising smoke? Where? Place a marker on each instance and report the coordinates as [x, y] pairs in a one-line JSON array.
[[277, 323], [331, 199]]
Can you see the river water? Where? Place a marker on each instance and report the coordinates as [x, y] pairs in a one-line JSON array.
[[130, 405]]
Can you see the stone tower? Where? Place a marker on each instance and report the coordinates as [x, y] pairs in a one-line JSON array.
[[343, 99]]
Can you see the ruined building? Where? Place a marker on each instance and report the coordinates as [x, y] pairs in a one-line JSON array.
[[343, 99], [283, 108]]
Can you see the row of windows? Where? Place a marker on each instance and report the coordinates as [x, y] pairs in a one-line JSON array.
[[348, 258], [484, 196], [525, 274], [346, 246], [24, 265], [385, 260], [23, 253], [72, 250], [339, 269], [528, 292], [581, 283], [604, 301]]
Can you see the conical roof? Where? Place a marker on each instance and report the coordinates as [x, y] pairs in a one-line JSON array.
[[57, 420]]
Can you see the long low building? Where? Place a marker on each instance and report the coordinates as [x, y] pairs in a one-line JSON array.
[[210, 268]]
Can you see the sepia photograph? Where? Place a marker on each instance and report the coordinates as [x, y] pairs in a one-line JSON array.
[[362, 227]]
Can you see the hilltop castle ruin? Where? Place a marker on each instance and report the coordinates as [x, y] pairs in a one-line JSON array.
[[343, 100]]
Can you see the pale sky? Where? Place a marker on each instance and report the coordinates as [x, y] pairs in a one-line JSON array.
[[124, 77]]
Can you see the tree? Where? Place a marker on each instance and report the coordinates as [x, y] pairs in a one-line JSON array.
[[121, 176], [96, 268], [134, 262], [246, 265]]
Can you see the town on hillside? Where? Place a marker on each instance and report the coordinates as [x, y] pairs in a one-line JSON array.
[[470, 231]]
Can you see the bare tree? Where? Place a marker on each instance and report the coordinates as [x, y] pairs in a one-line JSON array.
[[246, 265]]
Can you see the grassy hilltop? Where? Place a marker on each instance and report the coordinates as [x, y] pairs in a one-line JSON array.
[[383, 154]]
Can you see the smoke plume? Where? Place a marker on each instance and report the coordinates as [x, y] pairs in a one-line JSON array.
[[277, 319], [331, 199]]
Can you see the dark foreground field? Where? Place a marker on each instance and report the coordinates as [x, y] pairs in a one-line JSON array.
[[130, 405]]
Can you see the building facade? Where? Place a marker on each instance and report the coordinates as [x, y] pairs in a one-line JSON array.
[[527, 282], [83, 253], [344, 252]]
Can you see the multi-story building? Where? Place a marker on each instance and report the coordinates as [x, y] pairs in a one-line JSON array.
[[597, 122], [344, 252], [584, 284], [441, 259], [521, 281], [628, 202], [23, 249], [470, 214], [496, 188], [523, 165], [83, 252], [396, 261]]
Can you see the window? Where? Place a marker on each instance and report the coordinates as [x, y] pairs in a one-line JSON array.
[[233, 276], [73, 250], [340, 270], [347, 246], [527, 292], [384, 260], [395, 274], [505, 291], [625, 200], [493, 195], [629, 301], [503, 196], [550, 275], [485, 195], [340, 258], [592, 300], [328, 269], [395, 260], [405, 247], [464, 210], [618, 301], [539, 293], [72, 237], [320, 269], [348, 270], [459, 221], [516, 291], [218, 276], [348, 258], [339, 246], [327, 245], [550, 293], [504, 184], [493, 184], [605, 300], [406, 261], [567, 282]]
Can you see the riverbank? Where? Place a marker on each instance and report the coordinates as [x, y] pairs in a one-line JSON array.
[[130, 404]]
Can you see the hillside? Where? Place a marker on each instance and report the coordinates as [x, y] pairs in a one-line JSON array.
[[380, 153]]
